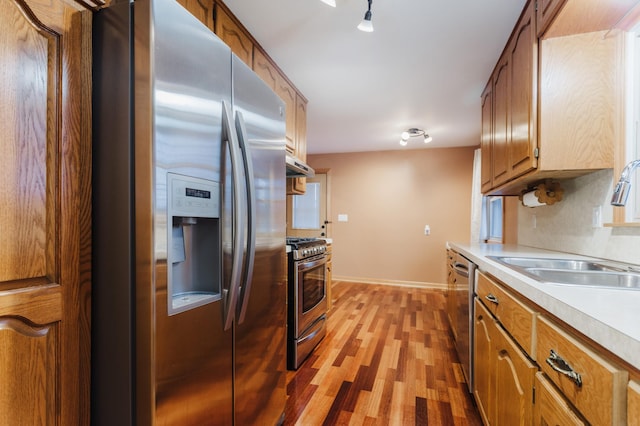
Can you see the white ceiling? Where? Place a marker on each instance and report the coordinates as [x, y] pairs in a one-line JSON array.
[[425, 66]]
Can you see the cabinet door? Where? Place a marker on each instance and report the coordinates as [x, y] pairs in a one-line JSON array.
[[486, 139], [483, 365], [265, 69], [633, 404], [299, 185], [45, 213], [547, 10], [201, 9], [501, 131], [551, 408], [523, 91], [234, 36], [288, 95], [514, 376]]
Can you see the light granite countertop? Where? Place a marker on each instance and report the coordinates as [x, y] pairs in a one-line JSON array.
[[610, 317]]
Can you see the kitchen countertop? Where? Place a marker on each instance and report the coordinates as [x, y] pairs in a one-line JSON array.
[[609, 317]]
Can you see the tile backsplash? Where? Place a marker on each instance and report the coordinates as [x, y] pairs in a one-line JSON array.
[[567, 226]]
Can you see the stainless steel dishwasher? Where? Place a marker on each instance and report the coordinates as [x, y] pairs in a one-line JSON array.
[[464, 276]]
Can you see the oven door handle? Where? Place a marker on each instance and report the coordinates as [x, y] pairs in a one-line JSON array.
[[239, 209], [305, 265], [245, 292]]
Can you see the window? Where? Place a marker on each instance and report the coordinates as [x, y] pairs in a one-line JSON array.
[[492, 219], [306, 208]]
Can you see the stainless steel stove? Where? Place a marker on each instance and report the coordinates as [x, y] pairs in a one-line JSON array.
[[307, 307]]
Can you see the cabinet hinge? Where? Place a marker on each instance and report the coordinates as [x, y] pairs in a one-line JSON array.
[[533, 396], [536, 152], [536, 6]]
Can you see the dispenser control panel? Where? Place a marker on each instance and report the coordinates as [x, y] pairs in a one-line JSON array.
[[193, 197]]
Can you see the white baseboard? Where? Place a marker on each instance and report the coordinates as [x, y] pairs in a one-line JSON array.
[[417, 284]]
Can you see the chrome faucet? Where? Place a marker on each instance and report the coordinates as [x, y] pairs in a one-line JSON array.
[[621, 191]]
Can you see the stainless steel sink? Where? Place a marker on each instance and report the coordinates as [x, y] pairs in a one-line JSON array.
[[609, 279], [564, 264], [575, 272]]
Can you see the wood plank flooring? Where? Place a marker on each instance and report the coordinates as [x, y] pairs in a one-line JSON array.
[[388, 359]]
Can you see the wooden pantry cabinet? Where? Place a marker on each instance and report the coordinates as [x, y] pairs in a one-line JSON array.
[[45, 214]]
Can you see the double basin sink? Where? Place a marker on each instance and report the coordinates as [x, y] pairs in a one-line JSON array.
[[575, 272]]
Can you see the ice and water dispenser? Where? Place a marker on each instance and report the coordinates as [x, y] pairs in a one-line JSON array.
[[193, 244]]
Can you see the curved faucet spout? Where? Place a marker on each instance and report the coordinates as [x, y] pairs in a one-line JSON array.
[[621, 191]]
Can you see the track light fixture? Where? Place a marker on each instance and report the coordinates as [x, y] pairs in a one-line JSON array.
[[414, 132], [366, 24]]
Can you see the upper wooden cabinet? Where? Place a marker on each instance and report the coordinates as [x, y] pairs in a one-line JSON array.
[[201, 9], [558, 113], [45, 218], [298, 186], [265, 69], [487, 137], [509, 108], [231, 31], [234, 35]]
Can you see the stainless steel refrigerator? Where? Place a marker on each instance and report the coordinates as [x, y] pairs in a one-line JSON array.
[[188, 274]]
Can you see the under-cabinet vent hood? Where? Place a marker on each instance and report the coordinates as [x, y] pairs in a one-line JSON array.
[[298, 168]]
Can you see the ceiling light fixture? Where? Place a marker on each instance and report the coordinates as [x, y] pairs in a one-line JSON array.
[[331, 3], [412, 133], [366, 24]]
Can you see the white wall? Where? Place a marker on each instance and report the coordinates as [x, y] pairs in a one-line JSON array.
[[567, 226]]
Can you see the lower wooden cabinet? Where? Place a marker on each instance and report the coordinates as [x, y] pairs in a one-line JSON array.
[[504, 375], [592, 383], [482, 344], [551, 408]]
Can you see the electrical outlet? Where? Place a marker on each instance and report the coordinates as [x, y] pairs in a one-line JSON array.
[[534, 222], [427, 230]]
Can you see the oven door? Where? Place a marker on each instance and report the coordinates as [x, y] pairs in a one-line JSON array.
[[310, 288]]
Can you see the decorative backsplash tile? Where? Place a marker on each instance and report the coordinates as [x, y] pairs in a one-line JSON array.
[[567, 226]]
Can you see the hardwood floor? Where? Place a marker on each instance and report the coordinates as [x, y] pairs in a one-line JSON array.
[[388, 358]]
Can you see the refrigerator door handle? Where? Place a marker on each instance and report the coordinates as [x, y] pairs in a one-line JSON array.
[[238, 208], [251, 209]]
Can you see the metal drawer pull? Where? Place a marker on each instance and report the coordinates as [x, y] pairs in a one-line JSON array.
[[560, 365], [491, 298]]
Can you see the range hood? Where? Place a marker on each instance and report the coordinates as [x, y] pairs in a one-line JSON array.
[[298, 168]]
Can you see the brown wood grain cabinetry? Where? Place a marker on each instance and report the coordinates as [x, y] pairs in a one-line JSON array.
[[516, 317], [600, 395], [486, 138], [633, 404], [483, 326], [546, 12], [299, 185], [45, 219], [503, 374], [288, 95], [201, 9], [551, 408], [234, 35], [575, 81], [509, 143], [265, 69]]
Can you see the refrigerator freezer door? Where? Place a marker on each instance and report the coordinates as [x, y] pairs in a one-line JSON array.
[[260, 339], [191, 73]]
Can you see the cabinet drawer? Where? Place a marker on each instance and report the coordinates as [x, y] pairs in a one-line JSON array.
[[551, 408], [593, 384], [633, 404], [517, 318]]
